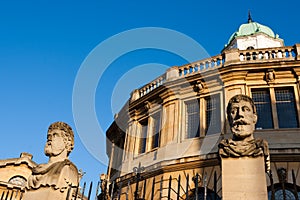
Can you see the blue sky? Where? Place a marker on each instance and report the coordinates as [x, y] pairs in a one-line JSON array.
[[44, 43]]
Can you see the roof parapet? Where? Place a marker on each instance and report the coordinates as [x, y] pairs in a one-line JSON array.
[[228, 57]]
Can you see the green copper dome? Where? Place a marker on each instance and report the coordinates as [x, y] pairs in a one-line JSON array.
[[251, 28]]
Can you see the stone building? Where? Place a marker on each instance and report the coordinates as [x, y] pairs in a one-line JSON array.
[[14, 173], [23, 179], [172, 125]]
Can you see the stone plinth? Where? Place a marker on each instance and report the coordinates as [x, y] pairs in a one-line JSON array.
[[45, 193], [244, 179]]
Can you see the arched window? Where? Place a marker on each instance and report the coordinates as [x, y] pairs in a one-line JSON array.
[[18, 180]]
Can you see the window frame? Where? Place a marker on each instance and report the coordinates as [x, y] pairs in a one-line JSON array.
[[202, 114], [141, 138], [152, 128], [148, 139], [274, 114], [217, 95], [186, 121]]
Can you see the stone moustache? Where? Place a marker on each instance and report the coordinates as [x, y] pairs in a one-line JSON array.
[[242, 117]]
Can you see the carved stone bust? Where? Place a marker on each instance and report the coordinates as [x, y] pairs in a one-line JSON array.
[[59, 173], [242, 117]]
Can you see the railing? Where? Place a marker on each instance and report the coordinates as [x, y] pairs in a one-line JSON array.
[[185, 188], [11, 194], [10, 191], [78, 193], [180, 188], [201, 66], [283, 184], [152, 85]]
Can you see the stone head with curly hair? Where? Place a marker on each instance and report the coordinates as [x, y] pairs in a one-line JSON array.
[[60, 137]]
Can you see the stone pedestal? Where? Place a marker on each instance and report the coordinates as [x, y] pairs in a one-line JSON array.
[[45, 193], [244, 179]]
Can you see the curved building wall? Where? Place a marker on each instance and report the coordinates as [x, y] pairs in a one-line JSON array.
[[173, 128]]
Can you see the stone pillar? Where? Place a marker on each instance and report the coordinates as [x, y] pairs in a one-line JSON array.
[[45, 193], [244, 178], [231, 56], [135, 95], [244, 159], [172, 73]]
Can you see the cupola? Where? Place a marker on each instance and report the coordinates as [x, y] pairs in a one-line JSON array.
[[253, 35]]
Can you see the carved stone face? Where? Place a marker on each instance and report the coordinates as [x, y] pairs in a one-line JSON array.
[[242, 120], [55, 142]]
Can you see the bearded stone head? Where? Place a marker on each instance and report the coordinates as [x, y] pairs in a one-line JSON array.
[[242, 117], [60, 138]]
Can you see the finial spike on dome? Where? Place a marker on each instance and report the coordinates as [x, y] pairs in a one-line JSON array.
[[249, 17]]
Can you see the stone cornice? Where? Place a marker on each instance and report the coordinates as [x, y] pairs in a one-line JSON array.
[[10, 186], [17, 162]]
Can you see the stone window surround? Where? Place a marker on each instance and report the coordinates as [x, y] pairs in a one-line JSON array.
[[150, 123], [202, 107], [273, 101]]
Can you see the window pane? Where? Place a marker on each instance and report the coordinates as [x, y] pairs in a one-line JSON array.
[[156, 130], [261, 98], [193, 118], [286, 109], [143, 137], [213, 116]]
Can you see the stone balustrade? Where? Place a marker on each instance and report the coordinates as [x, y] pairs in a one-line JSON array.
[[287, 53], [152, 85], [201, 66], [233, 56]]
